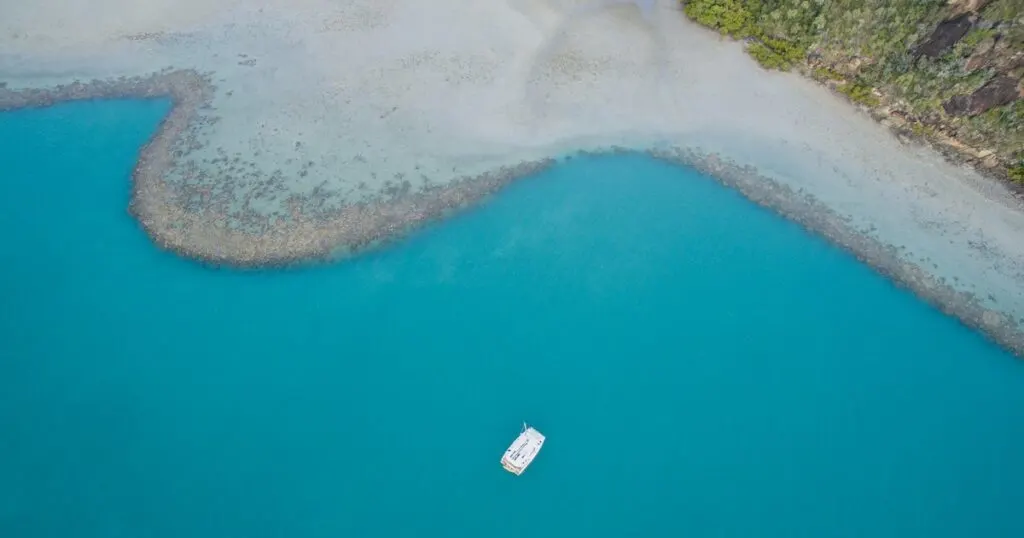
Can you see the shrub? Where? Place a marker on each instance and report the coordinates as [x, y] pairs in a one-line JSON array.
[[859, 93], [1017, 172], [922, 130], [824, 73], [872, 43], [974, 37], [726, 16], [768, 58], [790, 51], [1001, 128]]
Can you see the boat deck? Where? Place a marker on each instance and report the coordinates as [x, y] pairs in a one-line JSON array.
[[522, 451]]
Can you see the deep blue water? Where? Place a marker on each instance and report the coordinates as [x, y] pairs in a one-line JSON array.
[[700, 367]]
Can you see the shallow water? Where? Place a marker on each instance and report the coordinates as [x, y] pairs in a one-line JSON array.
[[700, 367]]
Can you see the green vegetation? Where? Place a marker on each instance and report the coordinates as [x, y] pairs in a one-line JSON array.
[[790, 52], [868, 45], [922, 130], [825, 73], [1001, 128], [860, 93], [1004, 10], [772, 47], [768, 57], [1017, 171], [974, 37], [726, 16]]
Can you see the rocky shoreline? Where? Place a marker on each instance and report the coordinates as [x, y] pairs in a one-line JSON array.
[[912, 130], [949, 75], [212, 235]]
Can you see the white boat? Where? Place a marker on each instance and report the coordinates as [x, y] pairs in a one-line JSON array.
[[522, 451]]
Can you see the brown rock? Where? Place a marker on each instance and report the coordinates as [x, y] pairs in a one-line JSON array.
[[975, 62], [1005, 64], [997, 92], [945, 35]]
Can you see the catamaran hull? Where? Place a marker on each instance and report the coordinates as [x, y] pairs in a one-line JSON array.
[[522, 451]]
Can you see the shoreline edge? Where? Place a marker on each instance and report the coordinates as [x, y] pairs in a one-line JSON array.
[[210, 237]]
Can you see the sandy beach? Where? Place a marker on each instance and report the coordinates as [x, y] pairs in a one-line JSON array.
[[311, 128]]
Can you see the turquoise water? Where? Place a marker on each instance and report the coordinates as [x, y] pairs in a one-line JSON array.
[[701, 368]]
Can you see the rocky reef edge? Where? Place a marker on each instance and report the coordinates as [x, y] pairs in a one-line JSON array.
[[213, 237]]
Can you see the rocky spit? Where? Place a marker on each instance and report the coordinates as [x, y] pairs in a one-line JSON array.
[[211, 231], [185, 213], [817, 218]]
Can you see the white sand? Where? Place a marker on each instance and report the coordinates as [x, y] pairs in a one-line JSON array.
[[381, 90]]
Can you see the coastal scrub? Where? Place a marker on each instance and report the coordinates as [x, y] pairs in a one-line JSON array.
[[953, 69]]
